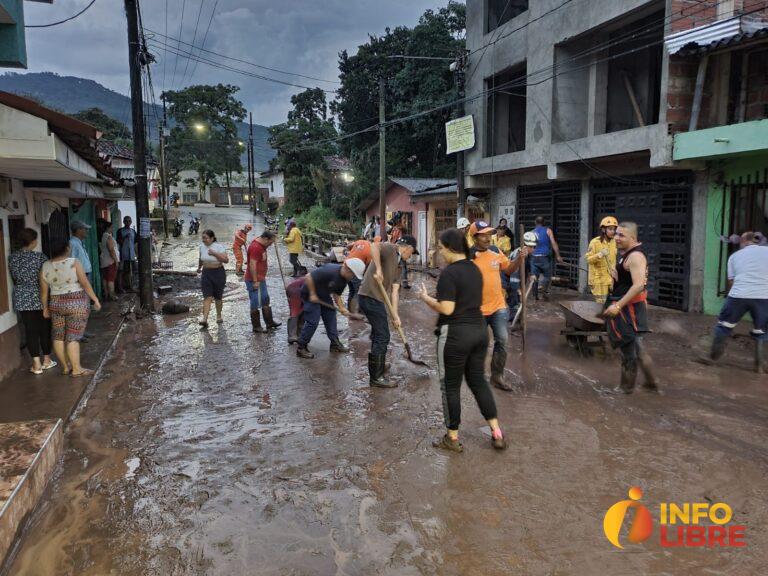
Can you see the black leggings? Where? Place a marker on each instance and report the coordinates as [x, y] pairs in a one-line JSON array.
[[294, 258], [37, 330], [461, 350]]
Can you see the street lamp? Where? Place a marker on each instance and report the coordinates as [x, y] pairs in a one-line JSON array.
[[199, 126], [347, 176]]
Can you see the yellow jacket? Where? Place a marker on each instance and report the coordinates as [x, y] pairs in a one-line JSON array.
[[504, 244], [600, 267], [294, 241], [470, 240]]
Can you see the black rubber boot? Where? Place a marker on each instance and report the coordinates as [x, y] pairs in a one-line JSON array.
[[337, 346], [646, 365], [293, 330], [498, 361], [376, 365], [304, 352], [628, 379], [256, 322], [268, 319], [760, 357], [718, 347]]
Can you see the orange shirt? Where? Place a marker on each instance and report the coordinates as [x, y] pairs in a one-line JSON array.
[[491, 264], [361, 249]]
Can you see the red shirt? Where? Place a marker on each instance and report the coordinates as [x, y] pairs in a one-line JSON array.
[[257, 253]]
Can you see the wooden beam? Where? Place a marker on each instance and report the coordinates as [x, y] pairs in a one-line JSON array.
[[700, 77], [633, 99]]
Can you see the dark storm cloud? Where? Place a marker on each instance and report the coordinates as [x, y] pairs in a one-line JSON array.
[[302, 36]]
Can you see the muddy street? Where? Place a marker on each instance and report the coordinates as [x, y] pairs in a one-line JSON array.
[[220, 453]]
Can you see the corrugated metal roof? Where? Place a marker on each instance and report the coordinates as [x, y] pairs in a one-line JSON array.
[[695, 49], [417, 185], [722, 30]]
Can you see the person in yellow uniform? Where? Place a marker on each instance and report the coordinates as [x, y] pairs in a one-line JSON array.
[[502, 241], [463, 225], [601, 257], [295, 244]]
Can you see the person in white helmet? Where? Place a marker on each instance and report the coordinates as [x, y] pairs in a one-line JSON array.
[[463, 224], [322, 289]]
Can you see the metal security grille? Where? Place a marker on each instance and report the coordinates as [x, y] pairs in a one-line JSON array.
[[661, 208], [560, 205], [744, 209]]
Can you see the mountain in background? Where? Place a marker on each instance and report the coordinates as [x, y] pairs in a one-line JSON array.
[[70, 94]]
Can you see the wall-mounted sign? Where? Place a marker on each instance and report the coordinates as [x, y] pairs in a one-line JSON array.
[[460, 134]]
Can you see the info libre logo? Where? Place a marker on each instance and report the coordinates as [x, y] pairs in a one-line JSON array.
[[690, 525]]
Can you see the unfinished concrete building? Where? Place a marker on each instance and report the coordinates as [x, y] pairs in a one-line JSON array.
[[580, 103]]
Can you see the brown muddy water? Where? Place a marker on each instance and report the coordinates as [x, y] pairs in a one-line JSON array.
[[220, 453]]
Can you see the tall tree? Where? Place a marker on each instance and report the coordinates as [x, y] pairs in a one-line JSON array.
[[204, 138], [415, 148], [110, 129], [300, 149]]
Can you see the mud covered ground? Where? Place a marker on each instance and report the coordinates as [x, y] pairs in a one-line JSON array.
[[220, 453]]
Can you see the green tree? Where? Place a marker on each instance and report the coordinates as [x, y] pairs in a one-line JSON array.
[[204, 137], [415, 148], [110, 129], [300, 150]]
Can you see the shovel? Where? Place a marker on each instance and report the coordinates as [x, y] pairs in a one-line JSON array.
[[407, 346]]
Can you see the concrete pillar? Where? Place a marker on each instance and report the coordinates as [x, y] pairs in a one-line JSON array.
[[698, 241], [584, 233]]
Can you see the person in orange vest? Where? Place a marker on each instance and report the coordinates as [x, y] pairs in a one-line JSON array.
[[238, 244]]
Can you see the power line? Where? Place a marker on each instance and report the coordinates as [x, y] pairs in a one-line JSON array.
[[221, 66], [194, 37], [92, 2], [205, 37], [250, 63], [181, 28]]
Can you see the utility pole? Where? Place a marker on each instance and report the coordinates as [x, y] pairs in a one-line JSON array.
[[461, 193], [136, 59], [164, 170], [251, 167], [382, 162]]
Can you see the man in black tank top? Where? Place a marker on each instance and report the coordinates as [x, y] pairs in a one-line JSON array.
[[626, 311]]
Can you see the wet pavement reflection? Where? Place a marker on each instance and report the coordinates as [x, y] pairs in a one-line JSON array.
[[221, 453]]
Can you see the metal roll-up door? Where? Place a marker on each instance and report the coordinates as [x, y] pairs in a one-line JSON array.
[[661, 207], [560, 205]]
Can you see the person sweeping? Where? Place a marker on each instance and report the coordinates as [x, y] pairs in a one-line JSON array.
[[239, 243], [462, 340], [295, 244]]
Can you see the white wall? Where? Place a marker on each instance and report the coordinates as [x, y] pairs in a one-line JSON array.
[[277, 186]]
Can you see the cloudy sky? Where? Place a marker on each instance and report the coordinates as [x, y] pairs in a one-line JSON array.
[[299, 36]]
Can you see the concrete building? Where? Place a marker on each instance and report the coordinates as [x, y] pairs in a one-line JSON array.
[[580, 104], [276, 183]]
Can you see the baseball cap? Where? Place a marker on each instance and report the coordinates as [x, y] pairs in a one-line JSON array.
[[409, 240], [480, 227], [357, 266], [76, 225], [462, 223]]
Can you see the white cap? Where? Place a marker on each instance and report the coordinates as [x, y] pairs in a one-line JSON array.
[[530, 239], [462, 223], [357, 266]]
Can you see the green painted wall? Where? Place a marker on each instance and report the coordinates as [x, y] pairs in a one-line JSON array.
[[731, 169], [13, 48]]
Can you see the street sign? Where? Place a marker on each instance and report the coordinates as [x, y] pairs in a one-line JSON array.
[[460, 134]]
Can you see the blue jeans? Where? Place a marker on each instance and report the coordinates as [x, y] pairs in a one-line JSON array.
[[541, 267], [498, 323], [513, 297], [733, 311], [312, 315], [258, 296], [354, 286], [376, 313]]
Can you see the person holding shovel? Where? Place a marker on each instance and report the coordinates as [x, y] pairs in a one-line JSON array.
[[494, 305], [295, 305], [462, 339], [601, 257], [382, 278], [322, 288], [256, 282], [239, 244]]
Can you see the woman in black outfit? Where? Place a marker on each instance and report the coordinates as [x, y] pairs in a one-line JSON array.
[[462, 339]]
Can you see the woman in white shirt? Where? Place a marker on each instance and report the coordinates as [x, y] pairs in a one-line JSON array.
[[213, 256], [67, 295]]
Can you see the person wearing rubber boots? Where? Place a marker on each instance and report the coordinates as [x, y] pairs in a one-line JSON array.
[[541, 262], [601, 258], [321, 298], [383, 273], [240, 243], [256, 282], [626, 311], [491, 263], [748, 292], [295, 305]]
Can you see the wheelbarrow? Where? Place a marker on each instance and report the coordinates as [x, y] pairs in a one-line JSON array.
[[584, 325]]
